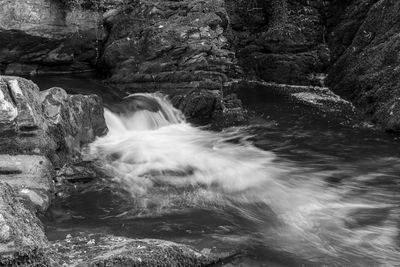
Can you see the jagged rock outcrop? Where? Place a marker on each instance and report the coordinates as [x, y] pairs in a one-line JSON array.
[[72, 122], [367, 72], [170, 45], [343, 19], [280, 41], [41, 131], [47, 36], [50, 122], [176, 47]]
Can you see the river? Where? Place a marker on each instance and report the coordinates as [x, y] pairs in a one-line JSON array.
[[291, 188]]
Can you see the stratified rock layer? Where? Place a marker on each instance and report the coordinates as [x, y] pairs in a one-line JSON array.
[[50, 122], [46, 36]]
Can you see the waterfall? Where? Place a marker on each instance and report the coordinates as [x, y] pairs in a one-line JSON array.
[[166, 163]]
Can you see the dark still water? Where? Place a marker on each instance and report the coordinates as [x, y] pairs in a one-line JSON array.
[[292, 188]]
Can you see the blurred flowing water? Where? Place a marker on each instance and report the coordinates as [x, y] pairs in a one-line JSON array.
[[292, 188]]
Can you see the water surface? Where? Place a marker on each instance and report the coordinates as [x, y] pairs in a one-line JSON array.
[[292, 188]]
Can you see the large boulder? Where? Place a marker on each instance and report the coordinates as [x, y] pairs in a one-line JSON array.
[[171, 46], [169, 42], [367, 72], [203, 105], [50, 122], [48, 35], [23, 129], [72, 122]]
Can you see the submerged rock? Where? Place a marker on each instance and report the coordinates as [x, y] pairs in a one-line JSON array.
[[99, 250], [315, 98]]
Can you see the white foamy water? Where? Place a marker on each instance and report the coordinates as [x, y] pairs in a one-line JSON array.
[[162, 160]]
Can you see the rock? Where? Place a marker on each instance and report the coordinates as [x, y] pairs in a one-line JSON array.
[[98, 250], [21, 69], [44, 33], [232, 113], [82, 173], [23, 129], [287, 52], [22, 238], [367, 72], [31, 178], [343, 21], [170, 45], [206, 104], [50, 123], [73, 121], [198, 104], [319, 99]]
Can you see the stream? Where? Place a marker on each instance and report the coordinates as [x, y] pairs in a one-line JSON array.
[[291, 188]]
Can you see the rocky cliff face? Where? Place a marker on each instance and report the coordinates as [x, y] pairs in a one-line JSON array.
[[366, 42], [191, 49], [47, 36], [281, 42], [177, 47], [170, 45]]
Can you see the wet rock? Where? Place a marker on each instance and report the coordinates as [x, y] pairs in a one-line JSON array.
[[82, 173], [98, 250], [23, 129], [47, 33], [285, 48], [31, 178], [22, 238], [207, 104], [198, 104], [21, 69], [320, 99], [367, 72], [231, 113], [170, 45], [50, 122], [73, 121], [343, 20]]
